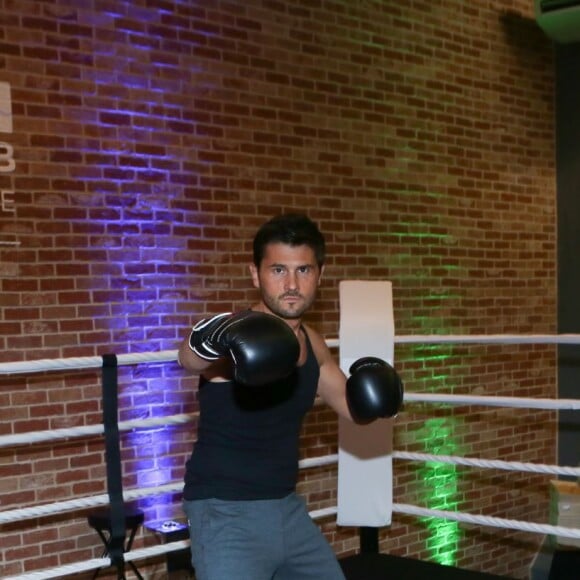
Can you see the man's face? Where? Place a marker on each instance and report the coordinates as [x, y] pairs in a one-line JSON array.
[[287, 278]]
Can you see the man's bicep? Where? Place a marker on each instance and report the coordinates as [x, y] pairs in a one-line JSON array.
[[332, 387]]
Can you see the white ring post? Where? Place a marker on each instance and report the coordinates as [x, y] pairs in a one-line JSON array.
[[365, 467]]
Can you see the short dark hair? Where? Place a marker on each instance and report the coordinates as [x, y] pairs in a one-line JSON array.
[[294, 229]]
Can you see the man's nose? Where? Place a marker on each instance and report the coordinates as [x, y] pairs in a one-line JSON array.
[[291, 281]]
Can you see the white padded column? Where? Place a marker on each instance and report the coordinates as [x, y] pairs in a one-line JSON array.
[[365, 470]]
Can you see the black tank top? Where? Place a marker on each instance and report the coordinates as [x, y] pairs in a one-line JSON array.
[[247, 437]]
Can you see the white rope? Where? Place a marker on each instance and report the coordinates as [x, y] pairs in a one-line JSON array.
[[171, 355], [455, 460], [318, 461], [63, 570], [85, 362], [481, 520], [489, 463], [104, 562], [489, 339], [323, 513], [408, 509], [8, 516], [86, 430], [491, 401], [475, 519], [477, 339]]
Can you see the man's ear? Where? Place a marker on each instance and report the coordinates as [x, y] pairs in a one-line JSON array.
[[254, 274]]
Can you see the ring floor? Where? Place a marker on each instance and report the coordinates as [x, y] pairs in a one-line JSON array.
[[565, 565], [385, 566]]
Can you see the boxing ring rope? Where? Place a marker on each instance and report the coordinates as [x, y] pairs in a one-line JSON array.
[[95, 563], [494, 401], [87, 362], [9, 516], [88, 430], [78, 363], [84, 362]]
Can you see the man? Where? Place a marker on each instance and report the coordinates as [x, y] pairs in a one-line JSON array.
[[261, 370]]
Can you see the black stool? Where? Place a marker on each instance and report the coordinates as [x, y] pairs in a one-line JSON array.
[[100, 520]]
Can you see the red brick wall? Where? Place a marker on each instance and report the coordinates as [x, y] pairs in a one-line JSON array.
[[150, 139]]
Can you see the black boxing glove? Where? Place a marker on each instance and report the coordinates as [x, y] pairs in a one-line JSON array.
[[262, 347], [373, 390]]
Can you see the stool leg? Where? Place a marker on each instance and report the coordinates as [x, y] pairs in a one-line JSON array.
[[135, 570], [129, 544], [128, 547], [105, 541]]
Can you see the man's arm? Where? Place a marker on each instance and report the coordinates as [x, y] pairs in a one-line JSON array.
[[332, 381]]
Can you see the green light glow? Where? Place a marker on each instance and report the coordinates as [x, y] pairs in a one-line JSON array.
[[435, 298], [438, 434], [441, 490]]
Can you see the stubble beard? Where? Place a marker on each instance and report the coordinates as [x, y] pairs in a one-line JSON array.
[[295, 311]]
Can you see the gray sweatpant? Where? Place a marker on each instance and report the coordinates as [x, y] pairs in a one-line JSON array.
[[258, 540]]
